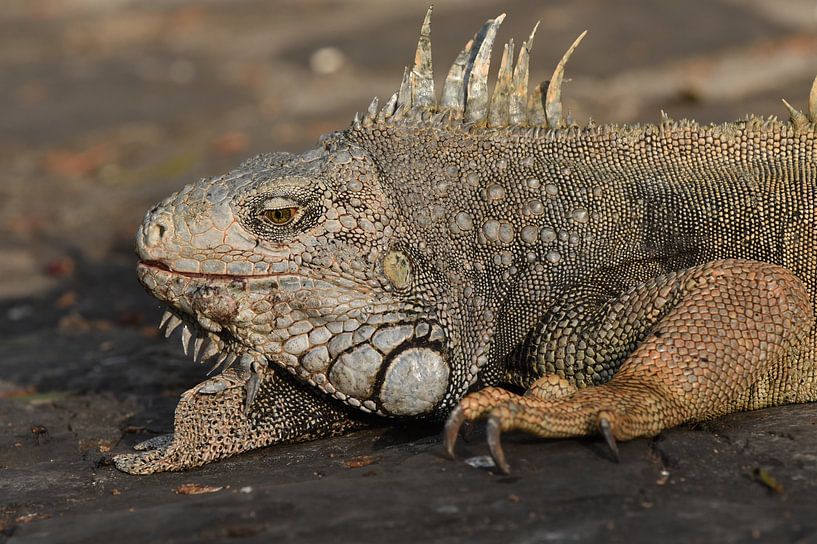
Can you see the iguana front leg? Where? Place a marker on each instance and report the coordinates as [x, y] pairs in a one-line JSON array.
[[213, 421], [728, 341]]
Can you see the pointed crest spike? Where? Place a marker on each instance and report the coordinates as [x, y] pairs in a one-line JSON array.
[[519, 93], [498, 113], [536, 107], [371, 112], [388, 109], [553, 101], [456, 83], [476, 100], [422, 74], [440, 119], [454, 89], [404, 94], [529, 43], [797, 117], [812, 102]]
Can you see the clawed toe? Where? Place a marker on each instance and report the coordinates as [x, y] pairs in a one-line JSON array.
[[545, 419], [606, 429], [452, 429], [493, 430]]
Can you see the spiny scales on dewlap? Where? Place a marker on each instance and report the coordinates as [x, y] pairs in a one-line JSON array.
[[629, 278]]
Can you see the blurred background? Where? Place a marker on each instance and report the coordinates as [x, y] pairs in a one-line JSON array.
[[107, 106]]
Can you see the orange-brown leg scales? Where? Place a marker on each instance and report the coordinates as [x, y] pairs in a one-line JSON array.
[[551, 387], [729, 343]]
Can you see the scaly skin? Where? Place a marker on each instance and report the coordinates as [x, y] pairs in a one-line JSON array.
[[631, 278]]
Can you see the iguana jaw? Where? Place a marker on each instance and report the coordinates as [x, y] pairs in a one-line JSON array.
[[369, 352]]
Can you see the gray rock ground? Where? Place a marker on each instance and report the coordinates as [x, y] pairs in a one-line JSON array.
[[108, 105]]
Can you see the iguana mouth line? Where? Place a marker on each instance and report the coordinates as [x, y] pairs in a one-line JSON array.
[[166, 268], [340, 282]]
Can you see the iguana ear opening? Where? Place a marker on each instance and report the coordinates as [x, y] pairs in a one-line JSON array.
[[397, 268]]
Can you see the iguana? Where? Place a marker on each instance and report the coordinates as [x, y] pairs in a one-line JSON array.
[[629, 278]]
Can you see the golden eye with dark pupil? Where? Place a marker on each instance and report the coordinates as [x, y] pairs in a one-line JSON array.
[[280, 216]]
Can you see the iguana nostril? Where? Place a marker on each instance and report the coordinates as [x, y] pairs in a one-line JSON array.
[[155, 233]]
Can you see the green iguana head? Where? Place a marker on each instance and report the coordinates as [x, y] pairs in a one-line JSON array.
[[355, 265]]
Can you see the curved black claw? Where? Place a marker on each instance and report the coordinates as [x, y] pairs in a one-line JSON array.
[[251, 388], [606, 428], [452, 429], [494, 430]]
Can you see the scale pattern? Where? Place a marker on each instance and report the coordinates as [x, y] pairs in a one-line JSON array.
[[630, 278]]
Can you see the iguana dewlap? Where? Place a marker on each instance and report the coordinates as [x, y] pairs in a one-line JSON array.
[[631, 278]]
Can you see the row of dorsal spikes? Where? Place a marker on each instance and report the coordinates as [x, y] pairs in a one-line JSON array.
[[465, 95]]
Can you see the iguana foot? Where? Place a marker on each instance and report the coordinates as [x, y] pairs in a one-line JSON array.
[[479, 404], [728, 342], [214, 420]]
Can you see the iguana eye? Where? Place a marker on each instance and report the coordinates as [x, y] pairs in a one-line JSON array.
[[280, 216]]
